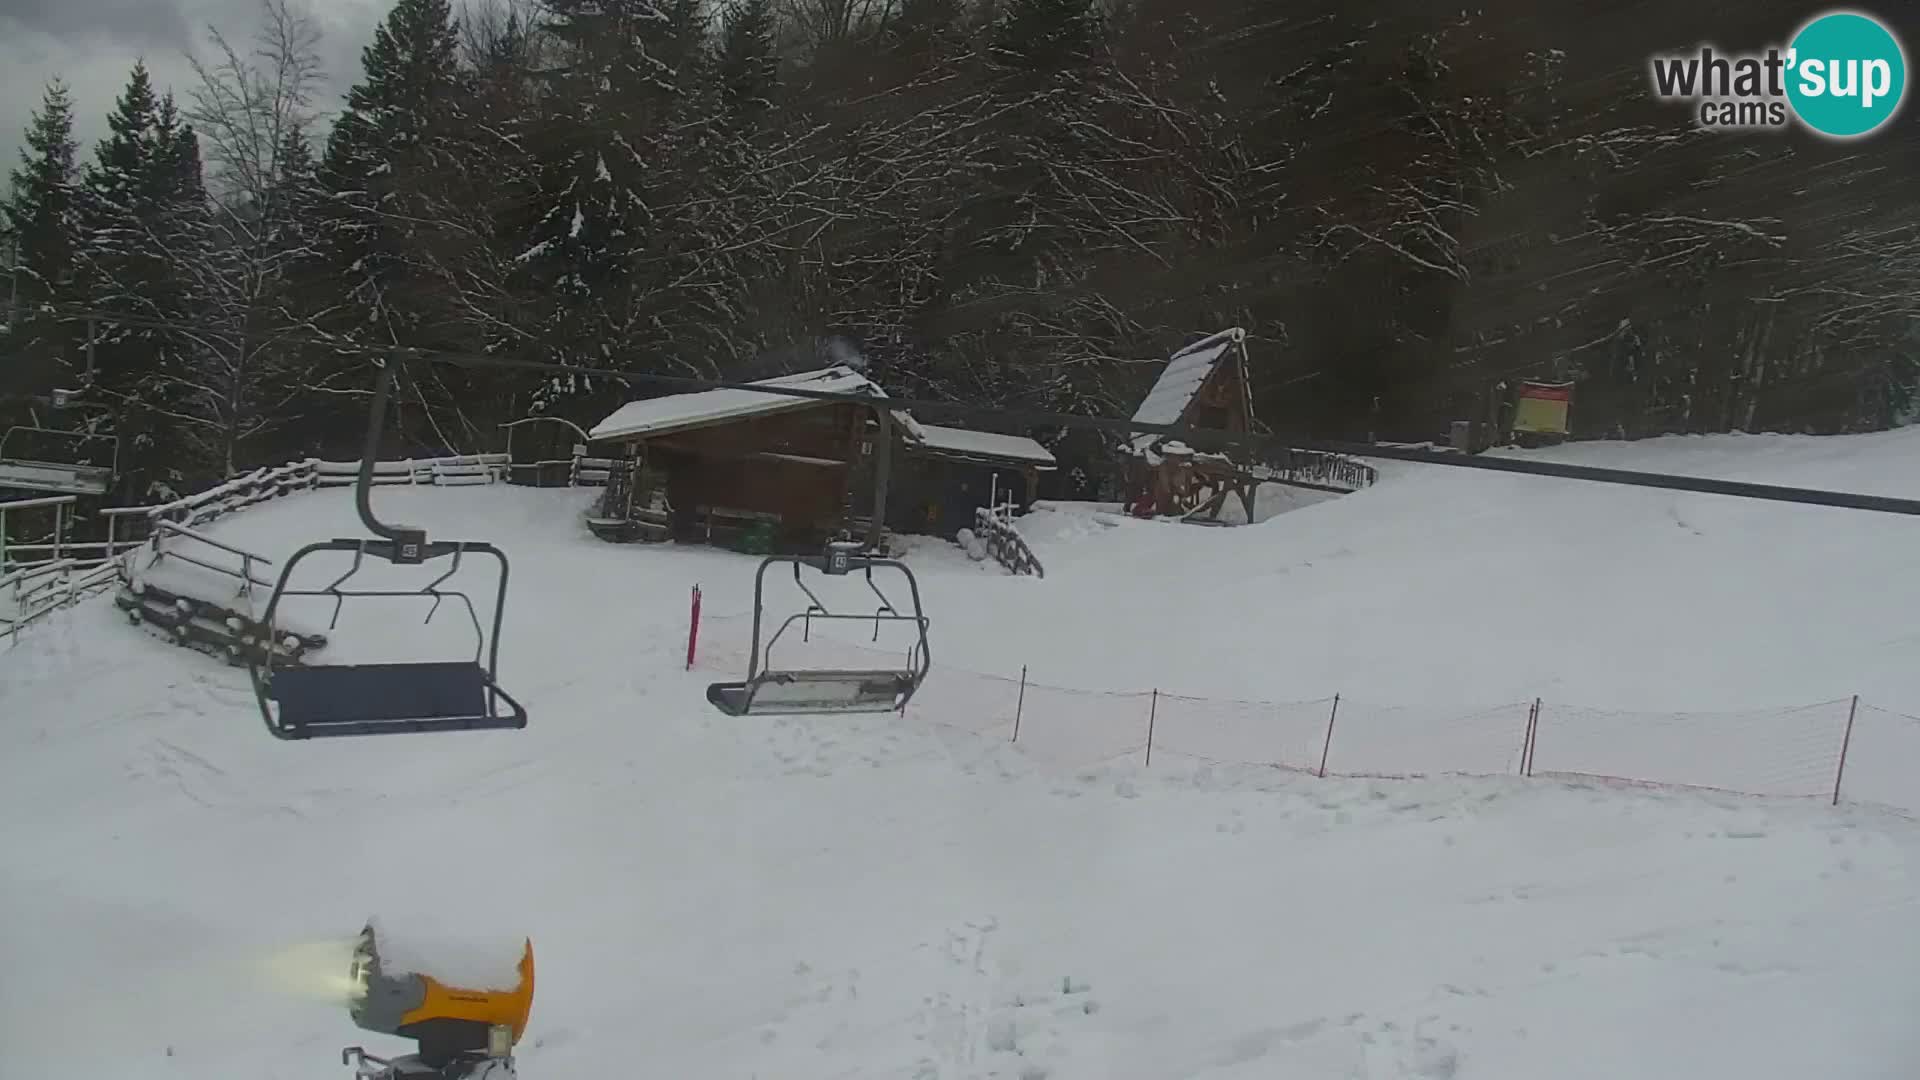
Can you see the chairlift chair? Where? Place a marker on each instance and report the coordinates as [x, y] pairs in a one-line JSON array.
[[38, 473], [306, 702], [772, 691]]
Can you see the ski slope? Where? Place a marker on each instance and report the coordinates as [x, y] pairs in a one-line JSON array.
[[917, 897]]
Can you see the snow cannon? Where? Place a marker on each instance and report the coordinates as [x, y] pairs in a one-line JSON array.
[[465, 1008]]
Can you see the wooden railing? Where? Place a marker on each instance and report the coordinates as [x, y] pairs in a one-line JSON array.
[[72, 570], [1005, 543]]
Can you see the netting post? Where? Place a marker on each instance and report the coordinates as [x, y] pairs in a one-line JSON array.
[[1846, 741], [1020, 703], [1153, 711], [1526, 740], [693, 628], [1533, 739], [1327, 746]]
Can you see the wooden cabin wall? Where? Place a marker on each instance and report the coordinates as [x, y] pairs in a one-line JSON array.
[[1221, 402], [725, 466], [825, 432], [802, 495]]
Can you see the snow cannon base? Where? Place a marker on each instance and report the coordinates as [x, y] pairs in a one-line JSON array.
[[465, 1011]]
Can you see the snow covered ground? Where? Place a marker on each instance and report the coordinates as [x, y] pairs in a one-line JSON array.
[[917, 897]]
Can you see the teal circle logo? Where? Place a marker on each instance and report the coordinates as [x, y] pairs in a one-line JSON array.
[[1847, 74]]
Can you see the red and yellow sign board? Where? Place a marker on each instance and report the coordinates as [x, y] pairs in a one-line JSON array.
[[1542, 408]]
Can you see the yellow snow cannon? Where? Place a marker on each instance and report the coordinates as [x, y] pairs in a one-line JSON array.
[[465, 1009]]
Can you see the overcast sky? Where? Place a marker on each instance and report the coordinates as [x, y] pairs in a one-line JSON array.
[[93, 43]]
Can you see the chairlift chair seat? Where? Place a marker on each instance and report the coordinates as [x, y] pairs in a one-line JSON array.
[[796, 693], [386, 698], [799, 691], [371, 699]]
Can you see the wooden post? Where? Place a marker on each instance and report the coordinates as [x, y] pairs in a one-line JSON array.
[[1153, 711], [1845, 742], [1533, 743], [882, 462], [1020, 704], [1327, 746]]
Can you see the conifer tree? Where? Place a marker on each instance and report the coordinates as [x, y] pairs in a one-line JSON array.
[[386, 155], [40, 224], [748, 67], [142, 223]]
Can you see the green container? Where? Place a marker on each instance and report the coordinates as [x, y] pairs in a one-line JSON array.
[[757, 539]]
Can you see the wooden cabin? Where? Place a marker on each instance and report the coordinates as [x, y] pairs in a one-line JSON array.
[[760, 471], [946, 474], [775, 472], [1204, 385]]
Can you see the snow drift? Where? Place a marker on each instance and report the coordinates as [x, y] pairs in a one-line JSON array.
[[887, 897]]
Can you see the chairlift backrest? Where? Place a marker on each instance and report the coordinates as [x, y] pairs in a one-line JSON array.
[[386, 698], [366, 699], [798, 691]]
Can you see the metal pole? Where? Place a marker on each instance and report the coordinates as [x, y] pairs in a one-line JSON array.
[[693, 628], [1526, 740], [1327, 746], [1153, 711], [1020, 705], [1845, 741], [1534, 744]]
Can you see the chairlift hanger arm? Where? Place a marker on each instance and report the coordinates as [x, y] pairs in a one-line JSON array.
[[771, 691], [383, 688], [407, 543]]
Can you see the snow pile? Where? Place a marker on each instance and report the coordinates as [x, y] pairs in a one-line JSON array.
[[468, 959], [880, 896]]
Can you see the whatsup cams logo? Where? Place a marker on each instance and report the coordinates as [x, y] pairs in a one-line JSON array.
[[1843, 75]]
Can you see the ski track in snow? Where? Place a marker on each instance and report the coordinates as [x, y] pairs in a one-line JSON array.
[[829, 898]]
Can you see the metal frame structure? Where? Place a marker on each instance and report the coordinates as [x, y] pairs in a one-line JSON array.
[[389, 698], [32, 474], [801, 691]]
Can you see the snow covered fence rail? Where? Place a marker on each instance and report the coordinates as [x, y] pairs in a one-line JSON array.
[[444, 471], [28, 595], [1830, 750], [1314, 469], [1005, 543], [266, 484]]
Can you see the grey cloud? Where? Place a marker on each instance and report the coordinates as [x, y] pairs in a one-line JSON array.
[[92, 44], [128, 22]]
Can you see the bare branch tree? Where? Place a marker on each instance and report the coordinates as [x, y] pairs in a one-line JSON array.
[[253, 113]]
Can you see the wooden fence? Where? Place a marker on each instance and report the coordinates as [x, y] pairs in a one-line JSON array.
[[1004, 542], [69, 570]]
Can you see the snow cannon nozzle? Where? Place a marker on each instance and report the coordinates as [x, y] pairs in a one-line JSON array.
[[465, 1006]]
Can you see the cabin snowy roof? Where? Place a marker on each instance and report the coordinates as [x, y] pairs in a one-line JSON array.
[[961, 442], [677, 412], [1185, 374]]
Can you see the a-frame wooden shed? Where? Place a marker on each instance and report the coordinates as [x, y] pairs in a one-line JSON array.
[[1203, 385]]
